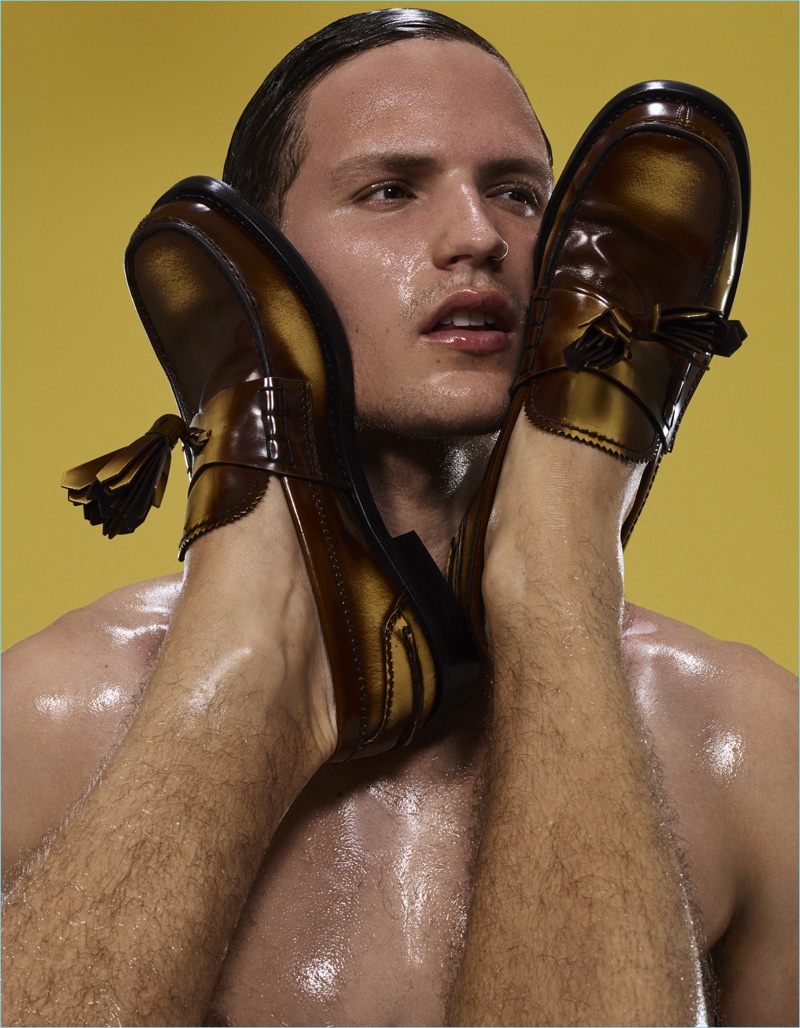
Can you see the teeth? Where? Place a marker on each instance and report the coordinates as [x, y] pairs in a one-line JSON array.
[[467, 319]]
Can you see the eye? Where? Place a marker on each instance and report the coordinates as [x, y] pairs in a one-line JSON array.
[[385, 192], [390, 192], [520, 197]]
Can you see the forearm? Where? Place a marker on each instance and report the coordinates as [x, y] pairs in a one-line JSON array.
[[126, 917], [579, 914]]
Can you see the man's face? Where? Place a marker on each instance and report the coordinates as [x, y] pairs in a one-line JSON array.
[[421, 158]]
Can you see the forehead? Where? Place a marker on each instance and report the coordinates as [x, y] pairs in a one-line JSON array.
[[421, 93]]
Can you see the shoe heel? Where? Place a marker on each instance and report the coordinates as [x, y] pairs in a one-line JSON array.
[[448, 632]]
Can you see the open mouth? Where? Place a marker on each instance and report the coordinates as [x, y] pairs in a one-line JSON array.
[[471, 312], [467, 319], [471, 331]]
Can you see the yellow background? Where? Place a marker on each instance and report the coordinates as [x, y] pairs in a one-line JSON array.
[[105, 105]]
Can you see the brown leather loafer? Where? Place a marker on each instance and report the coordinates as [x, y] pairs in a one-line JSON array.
[[636, 267], [261, 371]]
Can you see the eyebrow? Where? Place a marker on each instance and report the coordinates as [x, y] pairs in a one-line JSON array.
[[382, 161], [541, 171]]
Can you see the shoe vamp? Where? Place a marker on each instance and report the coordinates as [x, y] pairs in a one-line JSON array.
[[647, 226]]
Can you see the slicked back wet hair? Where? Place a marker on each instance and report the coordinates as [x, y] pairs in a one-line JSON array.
[[267, 146]]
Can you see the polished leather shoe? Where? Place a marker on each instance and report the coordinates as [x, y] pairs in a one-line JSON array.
[[636, 266], [261, 372]]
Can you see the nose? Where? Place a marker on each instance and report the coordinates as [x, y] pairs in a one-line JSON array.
[[465, 231]]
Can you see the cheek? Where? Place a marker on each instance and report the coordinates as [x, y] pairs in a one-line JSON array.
[[519, 263], [373, 286]]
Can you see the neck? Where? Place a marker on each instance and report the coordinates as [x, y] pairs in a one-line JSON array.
[[424, 485]]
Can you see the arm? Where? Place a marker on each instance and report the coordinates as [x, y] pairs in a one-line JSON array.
[[579, 914], [724, 724], [69, 694], [756, 961], [135, 900]]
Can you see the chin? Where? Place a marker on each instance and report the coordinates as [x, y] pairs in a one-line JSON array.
[[468, 415], [439, 413], [432, 424]]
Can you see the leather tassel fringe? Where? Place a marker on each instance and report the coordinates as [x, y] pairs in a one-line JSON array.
[[693, 333], [118, 489]]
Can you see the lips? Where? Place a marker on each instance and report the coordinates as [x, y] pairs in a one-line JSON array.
[[479, 306], [473, 321]]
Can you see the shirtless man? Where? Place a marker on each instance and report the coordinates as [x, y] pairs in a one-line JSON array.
[[172, 896]]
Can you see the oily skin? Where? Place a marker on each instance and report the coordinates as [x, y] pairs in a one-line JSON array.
[[125, 916], [400, 214], [590, 890], [231, 556], [398, 210]]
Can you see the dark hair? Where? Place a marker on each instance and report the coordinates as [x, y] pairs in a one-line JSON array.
[[267, 144]]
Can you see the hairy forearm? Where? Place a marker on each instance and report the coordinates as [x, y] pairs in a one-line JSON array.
[[579, 914], [125, 918]]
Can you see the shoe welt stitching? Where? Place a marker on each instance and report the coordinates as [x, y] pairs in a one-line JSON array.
[[337, 574], [249, 503], [412, 656], [387, 646], [311, 451], [576, 432]]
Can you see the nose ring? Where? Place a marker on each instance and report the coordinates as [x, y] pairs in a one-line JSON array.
[[502, 256]]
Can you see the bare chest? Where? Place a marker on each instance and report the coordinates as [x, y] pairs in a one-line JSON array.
[[359, 911]]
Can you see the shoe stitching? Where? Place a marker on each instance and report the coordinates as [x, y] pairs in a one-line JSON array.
[[697, 104], [311, 450], [314, 493], [683, 117], [387, 648], [345, 604], [560, 428], [630, 393], [249, 503], [296, 283], [412, 656], [740, 151]]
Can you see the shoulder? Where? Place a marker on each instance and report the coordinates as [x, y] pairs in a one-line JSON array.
[[693, 676], [723, 721], [111, 642], [92, 659], [69, 693], [127, 622], [732, 709], [646, 630]]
